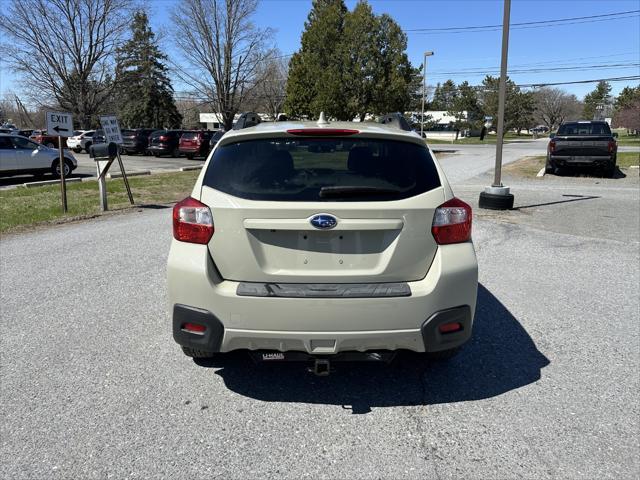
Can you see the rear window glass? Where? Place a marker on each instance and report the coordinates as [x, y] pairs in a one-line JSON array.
[[189, 136], [322, 169], [584, 129]]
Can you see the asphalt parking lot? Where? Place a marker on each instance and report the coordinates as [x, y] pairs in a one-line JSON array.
[[94, 387]]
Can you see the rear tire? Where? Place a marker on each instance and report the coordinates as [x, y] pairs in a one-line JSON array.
[[549, 168], [77, 149], [190, 156], [175, 153], [610, 170], [193, 353], [50, 145]]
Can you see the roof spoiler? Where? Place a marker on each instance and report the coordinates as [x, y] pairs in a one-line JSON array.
[[397, 120], [246, 120]]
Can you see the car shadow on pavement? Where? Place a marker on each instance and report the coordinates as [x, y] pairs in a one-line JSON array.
[[500, 357]]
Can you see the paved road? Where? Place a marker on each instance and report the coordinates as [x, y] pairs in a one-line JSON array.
[[92, 385]]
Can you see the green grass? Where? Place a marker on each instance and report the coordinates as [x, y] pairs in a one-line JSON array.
[[627, 159], [628, 140], [530, 166], [24, 207]]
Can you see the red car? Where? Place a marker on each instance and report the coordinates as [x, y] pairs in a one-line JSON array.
[[51, 141], [195, 144]]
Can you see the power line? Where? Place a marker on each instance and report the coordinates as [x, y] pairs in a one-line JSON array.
[[580, 68], [526, 25], [613, 79]]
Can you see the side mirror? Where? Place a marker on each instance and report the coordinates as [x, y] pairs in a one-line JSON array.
[[552, 135], [615, 134]]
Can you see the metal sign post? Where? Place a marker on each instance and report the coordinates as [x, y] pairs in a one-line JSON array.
[[63, 181], [104, 154], [61, 124]]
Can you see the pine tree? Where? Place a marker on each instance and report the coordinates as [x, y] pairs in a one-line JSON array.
[[444, 96], [595, 98], [146, 94], [350, 64], [316, 76]]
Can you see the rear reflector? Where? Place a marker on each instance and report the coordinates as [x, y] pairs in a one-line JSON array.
[[552, 146], [192, 222], [193, 328], [450, 327], [452, 222], [323, 132]]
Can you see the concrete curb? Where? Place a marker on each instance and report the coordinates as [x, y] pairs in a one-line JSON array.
[[44, 183], [188, 169], [135, 173], [541, 172]]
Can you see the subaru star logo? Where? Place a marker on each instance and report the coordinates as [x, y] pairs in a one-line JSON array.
[[323, 221]]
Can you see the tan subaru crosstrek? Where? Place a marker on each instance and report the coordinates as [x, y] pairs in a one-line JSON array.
[[321, 240]]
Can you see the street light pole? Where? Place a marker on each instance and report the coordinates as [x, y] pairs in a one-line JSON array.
[[424, 89], [497, 196]]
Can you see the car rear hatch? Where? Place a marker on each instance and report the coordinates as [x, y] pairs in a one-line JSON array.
[[190, 141], [322, 210], [159, 139], [129, 138]]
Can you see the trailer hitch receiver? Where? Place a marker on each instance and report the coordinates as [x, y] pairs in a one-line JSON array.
[[321, 367]]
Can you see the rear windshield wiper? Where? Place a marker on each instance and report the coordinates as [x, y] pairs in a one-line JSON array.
[[356, 191]]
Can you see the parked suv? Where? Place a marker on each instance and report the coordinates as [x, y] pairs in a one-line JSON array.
[[321, 241], [165, 142], [136, 140], [20, 155], [82, 141], [195, 144]]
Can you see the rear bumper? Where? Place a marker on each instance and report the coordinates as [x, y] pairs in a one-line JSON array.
[[322, 325], [581, 160]]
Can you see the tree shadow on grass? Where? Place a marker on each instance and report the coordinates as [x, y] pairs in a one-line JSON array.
[[501, 356]]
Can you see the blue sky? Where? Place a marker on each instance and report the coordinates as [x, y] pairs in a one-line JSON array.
[[580, 45]]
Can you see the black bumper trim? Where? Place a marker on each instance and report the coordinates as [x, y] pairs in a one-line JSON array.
[[434, 341], [323, 290], [209, 341]]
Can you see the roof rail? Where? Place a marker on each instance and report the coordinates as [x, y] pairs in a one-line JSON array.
[[246, 120], [396, 119]]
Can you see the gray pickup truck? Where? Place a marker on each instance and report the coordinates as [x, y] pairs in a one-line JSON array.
[[582, 144]]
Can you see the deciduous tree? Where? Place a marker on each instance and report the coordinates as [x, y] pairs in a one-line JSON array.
[[64, 49], [221, 50]]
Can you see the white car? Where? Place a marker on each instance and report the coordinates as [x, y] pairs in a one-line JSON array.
[[82, 140], [322, 241], [20, 155]]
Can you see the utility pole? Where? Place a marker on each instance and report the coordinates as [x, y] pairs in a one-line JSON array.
[[497, 196], [424, 89]]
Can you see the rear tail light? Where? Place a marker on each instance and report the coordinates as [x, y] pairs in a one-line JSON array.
[[452, 222], [192, 222], [552, 146], [193, 328], [612, 146], [450, 327], [163, 138]]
